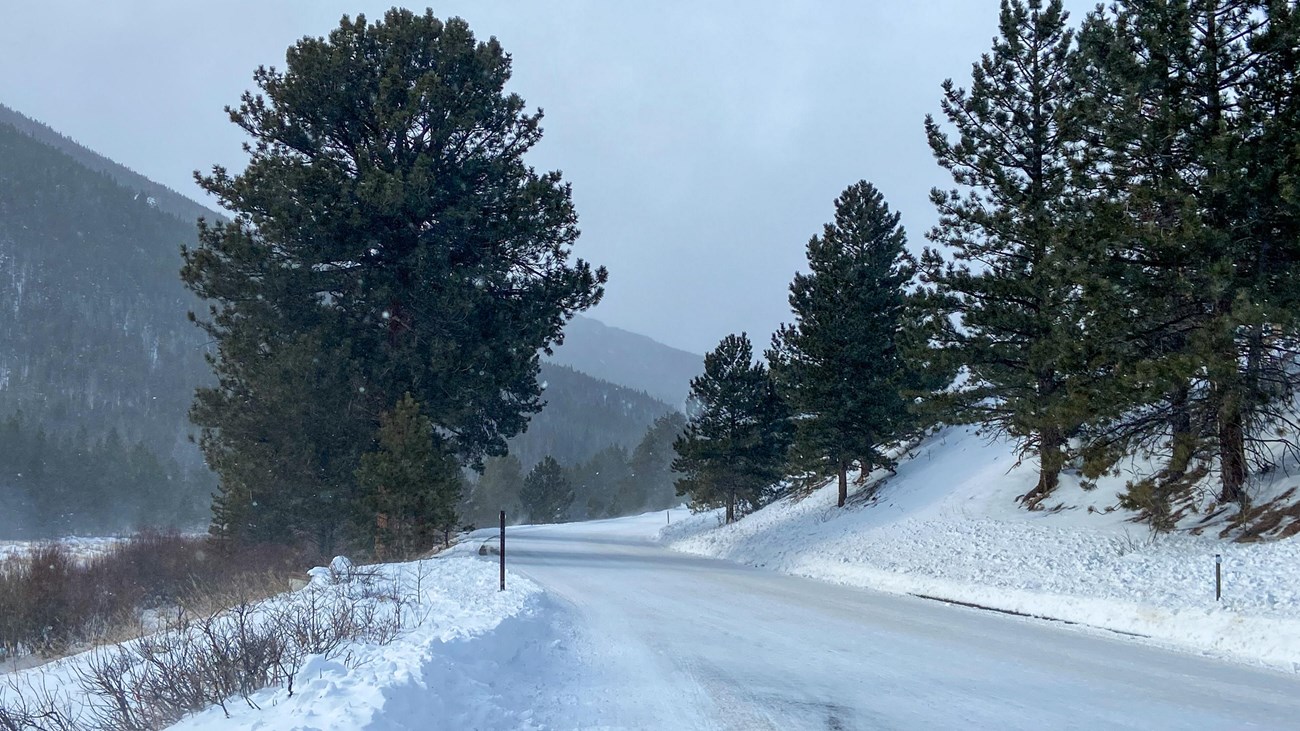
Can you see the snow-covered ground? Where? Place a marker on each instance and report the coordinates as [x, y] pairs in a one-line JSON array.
[[468, 659], [83, 548], [463, 664], [947, 526], [668, 640], [602, 628]]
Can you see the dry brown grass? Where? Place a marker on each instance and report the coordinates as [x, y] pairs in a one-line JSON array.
[[205, 660], [1278, 518], [52, 603]]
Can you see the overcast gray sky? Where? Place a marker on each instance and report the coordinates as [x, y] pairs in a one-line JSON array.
[[706, 141]]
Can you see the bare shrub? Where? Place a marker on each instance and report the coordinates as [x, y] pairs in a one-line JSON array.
[[36, 718], [40, 608], [51, 602], [36, 707], [155, 681], [226, 631]]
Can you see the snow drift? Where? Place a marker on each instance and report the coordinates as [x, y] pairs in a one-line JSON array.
[[946, 526]]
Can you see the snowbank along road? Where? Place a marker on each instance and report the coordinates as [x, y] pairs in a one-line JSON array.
[[661, 640]]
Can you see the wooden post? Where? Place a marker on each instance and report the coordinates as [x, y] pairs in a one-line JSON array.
[[503, 550]]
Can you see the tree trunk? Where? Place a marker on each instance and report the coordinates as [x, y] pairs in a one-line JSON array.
[[1051, 437], [1181, 439], [1050, 462], [844, 483], [731, 506], [1232, 452], [1231, 430], [865, 473], [1227, 380]]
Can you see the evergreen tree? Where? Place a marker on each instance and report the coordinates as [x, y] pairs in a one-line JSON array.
[[651, 463], [1192, 104], [1141, 160], [838, 366], [54, 484], [497, 489], [733, 451], [287, 471], [1008, 229], [388, 237], [410, 484], [547, 493], [1261, 309], [598, 481]]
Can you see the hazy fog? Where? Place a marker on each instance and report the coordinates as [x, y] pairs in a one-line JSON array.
[[705, 141]]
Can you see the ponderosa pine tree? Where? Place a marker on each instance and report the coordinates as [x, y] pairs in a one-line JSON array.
[[547, 492], [1230, 257], [733, 451], [1197, 266], [1138, 168], [838, 366], [1007, 228], [410, 484], [1264, 200], [387, 237]]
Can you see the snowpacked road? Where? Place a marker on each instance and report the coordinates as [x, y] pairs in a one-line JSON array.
[[655, 639]]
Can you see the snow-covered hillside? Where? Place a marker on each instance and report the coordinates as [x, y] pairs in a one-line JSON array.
[[947, 526]]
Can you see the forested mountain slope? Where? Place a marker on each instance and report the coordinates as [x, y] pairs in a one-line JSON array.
[[164, 198], [629, 359], [97, 359], [92, 310], [584, 415]]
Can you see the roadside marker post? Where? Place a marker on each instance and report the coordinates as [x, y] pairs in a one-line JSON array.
[[503, 550], [1218, 577]]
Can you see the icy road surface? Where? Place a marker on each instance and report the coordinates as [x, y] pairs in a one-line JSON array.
[[663, 640]]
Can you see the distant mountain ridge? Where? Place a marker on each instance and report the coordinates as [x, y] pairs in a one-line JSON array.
[[629, 359], [584, 415], [92, 310], [98, 361], [164, 198]]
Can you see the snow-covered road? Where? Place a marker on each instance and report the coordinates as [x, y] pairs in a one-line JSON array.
[[662, 640]]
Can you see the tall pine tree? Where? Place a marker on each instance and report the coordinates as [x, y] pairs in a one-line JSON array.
[[547, 493], [1006, 227], [1264, 198], [1138, 172], [1198, 264], [734, 449], [839, 365], [388, 237]]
